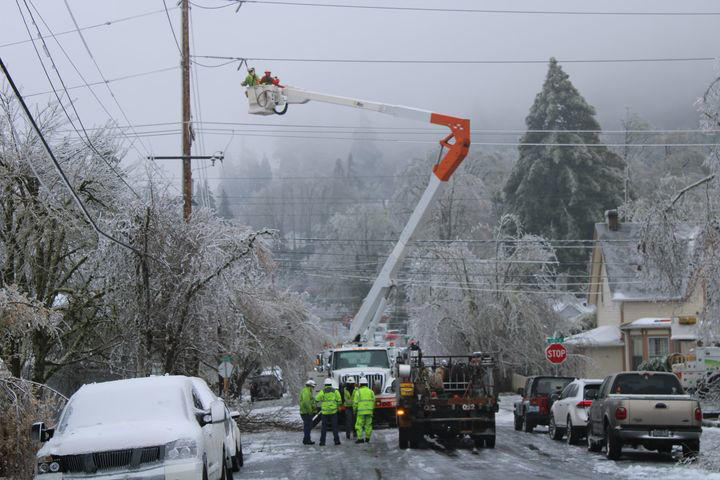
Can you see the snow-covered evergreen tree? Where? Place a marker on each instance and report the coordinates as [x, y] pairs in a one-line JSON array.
[[559, 191]]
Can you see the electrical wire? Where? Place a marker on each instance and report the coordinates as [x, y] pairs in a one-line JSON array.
[[57, 166], [106, 23], [403, 61], [86, 139], [477, 10], [172, 29]]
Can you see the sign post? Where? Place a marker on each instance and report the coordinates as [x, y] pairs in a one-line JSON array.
[[556, 353], [225, 369]]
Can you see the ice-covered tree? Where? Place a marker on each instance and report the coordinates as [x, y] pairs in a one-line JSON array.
[[564, 178]]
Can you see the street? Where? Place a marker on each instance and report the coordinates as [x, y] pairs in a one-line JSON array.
[[280, 455]]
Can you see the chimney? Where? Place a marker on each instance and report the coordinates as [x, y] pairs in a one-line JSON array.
[[612, 219]]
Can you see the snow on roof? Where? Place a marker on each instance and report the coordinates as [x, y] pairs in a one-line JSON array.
[[605, 336], [623, 262], [647, 322]]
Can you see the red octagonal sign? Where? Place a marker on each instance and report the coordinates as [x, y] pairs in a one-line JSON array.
[[556, 353]]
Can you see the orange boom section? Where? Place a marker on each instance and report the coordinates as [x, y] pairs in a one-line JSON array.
[[458, 150]]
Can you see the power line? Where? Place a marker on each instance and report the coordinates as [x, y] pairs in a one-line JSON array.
[[86, 140], [58, 168], [403, 61], [172, 29], [107, 23], [110, 80], [478, 10]]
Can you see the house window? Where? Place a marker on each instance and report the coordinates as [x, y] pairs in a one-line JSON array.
[[658, 347], [637, 351]]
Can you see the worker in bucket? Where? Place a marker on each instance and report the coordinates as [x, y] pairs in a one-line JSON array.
[[349, 395], [251, 79], [329, 399], [307, 410], [267, 79], [364, 405]]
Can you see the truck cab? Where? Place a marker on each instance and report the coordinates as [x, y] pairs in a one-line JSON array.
[[373, 363]]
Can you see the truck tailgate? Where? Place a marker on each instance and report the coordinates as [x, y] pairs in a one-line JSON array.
[[660, 410]]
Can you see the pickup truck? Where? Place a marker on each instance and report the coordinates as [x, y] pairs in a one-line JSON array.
[[643, 408]]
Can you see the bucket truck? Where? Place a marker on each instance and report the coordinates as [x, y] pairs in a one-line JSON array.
[[360, 358]]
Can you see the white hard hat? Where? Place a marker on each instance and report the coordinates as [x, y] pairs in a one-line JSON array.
[[328, 381], [310, 382], [363, 381], [350, 380]]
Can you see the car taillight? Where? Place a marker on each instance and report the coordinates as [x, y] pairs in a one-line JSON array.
[[620, 413], [698, 414], [585, 404]]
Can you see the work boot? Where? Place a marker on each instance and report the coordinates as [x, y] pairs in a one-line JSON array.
[[308, 443], [367, 440], [322, 444], [337, 443], [359, 440]]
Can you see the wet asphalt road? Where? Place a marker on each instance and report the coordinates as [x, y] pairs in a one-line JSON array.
[[280, 455]]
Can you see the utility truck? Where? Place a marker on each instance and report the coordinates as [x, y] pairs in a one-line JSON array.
[[446, 396], [357, 356]]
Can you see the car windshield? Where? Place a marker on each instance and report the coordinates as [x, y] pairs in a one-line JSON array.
[[120, 404], [550, 385], [588, 389], [263, 379], [646, 384], [361, 358]]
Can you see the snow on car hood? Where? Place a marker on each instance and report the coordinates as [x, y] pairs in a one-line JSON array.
[[118, 436]]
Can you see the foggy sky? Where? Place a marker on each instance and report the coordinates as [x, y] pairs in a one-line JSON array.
[[493, 96]]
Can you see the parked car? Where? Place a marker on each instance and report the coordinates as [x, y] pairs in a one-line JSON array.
[[266, 386], [142, 428], [568, 414], [643, 408], [534, 408], [233, 442]]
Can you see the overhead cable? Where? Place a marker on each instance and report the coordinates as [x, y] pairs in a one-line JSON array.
[[654, 13]]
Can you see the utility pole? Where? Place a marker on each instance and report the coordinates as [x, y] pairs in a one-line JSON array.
[[186, 138]]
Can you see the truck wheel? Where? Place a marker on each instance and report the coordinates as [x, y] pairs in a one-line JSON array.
[[553, 430], [490, 442], [526, 425], [403, 435], [518, 423], [478, 441], [613, 447], [414, 439], [691, 449]]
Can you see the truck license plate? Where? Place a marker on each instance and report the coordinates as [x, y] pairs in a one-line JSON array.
[[659, 433]]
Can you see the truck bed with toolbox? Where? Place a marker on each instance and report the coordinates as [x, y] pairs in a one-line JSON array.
[[448, 396], [643, 408]]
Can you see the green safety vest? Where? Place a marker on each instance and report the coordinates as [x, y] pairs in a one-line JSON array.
[[329, 401], [349, 397], [364, 401], [307, 403]]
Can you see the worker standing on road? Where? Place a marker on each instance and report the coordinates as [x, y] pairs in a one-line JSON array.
[[364, 405], [349, 395], [251, 80], [307, 410], [329, 400]]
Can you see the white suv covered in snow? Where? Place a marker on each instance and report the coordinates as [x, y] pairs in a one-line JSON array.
[[569, 411], [154, 428]]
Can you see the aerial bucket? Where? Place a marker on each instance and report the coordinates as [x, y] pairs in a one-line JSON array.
[[264, 99]]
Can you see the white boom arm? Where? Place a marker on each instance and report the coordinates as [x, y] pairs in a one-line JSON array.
[[265, 100]]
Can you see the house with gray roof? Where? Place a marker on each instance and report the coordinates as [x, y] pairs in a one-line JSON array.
[[637, 318]]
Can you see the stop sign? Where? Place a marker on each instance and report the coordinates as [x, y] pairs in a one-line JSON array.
[[556, 353]]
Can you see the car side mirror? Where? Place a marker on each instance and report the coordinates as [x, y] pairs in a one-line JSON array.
[[521, 391], [554, 397], [217, 412], [40, 433]]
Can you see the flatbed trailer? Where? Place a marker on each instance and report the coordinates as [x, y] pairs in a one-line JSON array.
[[446, 396]]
